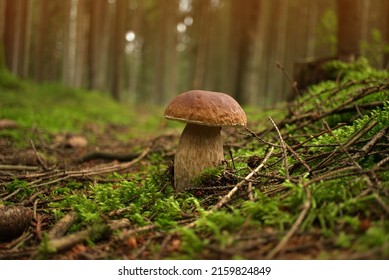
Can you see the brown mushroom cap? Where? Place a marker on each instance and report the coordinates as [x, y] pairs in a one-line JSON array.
[[206, 108]]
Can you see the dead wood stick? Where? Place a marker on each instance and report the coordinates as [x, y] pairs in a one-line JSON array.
[[360, 94], [381, 202], [62, 226], [369, 145], [18, 167], [11, 195], [61, 175], [228, 196], [283, 147], [250, 189], [296, 224], [127, 233], [41, 162], [68, 241], [253, 134], [292, 83], [297, 156], [380, 163], [354, 138], [108, 156]]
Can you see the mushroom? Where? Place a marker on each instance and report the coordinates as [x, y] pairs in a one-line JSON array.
[[201, 144]]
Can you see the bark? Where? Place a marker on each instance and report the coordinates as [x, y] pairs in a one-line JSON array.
[[118, 48], [165, 64], [2, 28], [97, 45], [244, 23], [201, 48], [13, 15], [386, 54], [349, 29], [70, 61]]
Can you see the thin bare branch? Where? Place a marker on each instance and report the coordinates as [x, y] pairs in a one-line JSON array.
[[228, 196], [296, 224]]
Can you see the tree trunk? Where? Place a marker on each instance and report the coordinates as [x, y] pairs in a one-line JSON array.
[[12, 44], [165, 65], [349, 29], [202, 36], [257, 78], [69, 63], [26, 34], [135, 56], [2, 28], [97, 45], [244, 20], [386, 39], [118, 47]]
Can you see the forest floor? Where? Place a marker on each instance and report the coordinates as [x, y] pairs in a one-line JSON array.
[[84, 178]]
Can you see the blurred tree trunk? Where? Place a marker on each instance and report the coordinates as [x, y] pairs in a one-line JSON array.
[[145, 87], [257, 78], [70, 63], [2, 28], [118, 47], [349, 29], [161, 51], [41, 40], [244, 23], [134, 56], [165, 65], [171, 66], [81, 44], [16, 35], [27, 39], [278, 80], [97, 45], [386, 38], [11, 35], [49, 44], [203, 16]]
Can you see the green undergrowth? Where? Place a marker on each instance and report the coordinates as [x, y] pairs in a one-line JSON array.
[[53, 108]]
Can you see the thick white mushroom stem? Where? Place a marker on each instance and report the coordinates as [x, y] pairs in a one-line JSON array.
[[200, 147]]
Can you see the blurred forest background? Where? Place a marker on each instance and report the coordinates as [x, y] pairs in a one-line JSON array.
[[150, 50]]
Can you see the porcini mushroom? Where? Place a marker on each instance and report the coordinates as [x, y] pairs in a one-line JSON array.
[[201, 144]]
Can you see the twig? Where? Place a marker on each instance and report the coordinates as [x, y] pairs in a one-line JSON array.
[[228, 196], [61, 175], [38, 157], [380, 163], [119, 211], [127, 233], [355, 137], [253, 134], [381, 202], [250, 190], [18, 167], [365, 149], [68, 241], [293, 84], [296, 155], [296, 224], [11, 194], [283, 147], [62, 226]]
